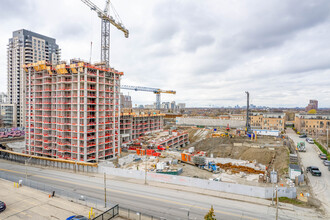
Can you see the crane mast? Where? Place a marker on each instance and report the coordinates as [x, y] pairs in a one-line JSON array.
[[105, 37], [105, 28]]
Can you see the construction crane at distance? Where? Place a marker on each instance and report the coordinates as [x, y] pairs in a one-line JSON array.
[[105, 28], [147, 89]]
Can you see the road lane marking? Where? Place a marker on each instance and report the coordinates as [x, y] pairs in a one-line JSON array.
[[137, 195]]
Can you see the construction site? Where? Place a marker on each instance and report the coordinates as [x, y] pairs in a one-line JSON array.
[[229, 157], [73, 117], [74, 113]]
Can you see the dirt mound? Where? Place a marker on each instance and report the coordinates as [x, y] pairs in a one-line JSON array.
[[197, 134], [224, 147], [238, 168], [263, 156]]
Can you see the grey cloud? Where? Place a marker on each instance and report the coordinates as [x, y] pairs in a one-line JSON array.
[[192, 42], [275, 23], [71, 30], [10, 9], [209, 51]]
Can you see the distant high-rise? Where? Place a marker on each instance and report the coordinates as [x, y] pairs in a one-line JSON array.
[[3, 97], [313, 104], [23, 48], [125, 101]]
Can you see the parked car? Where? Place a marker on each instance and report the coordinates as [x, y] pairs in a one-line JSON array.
[[323, 156], [326, 162], [314, 171], [310, 140], [2, 206], [303, 136], [77, 217]]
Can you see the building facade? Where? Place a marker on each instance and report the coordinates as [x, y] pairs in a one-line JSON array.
[[312, 124], [268, 121], [136, 124], [125, 101], [8, 114], [72, 111], [23, 48], [3, 97]]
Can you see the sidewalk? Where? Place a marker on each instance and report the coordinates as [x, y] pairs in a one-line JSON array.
[[28, 203]]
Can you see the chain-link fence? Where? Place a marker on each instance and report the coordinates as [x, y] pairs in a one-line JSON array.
[[82, 199], [70, 195], [135, 215]]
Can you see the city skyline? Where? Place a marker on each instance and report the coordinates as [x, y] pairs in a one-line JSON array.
[[210, 54]]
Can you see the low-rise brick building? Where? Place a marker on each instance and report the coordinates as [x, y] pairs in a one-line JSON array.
[[269, 121], [312, 124]]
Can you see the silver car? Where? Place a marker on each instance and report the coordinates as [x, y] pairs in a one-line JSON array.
[[326, 162]]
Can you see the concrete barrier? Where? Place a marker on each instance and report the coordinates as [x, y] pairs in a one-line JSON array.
[[46, 161], [253, 191]]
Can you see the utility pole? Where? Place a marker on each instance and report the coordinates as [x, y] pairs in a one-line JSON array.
[[105, 191], [25, 172], [327, 140], [272, 186], [145, 175], [247, 111], [276, 203], [26, 163]]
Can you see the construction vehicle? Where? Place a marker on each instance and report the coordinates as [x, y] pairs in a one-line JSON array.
[[301, 147], [147, 89], [105, 28], [216, 135], [199, 161], [212, 167]]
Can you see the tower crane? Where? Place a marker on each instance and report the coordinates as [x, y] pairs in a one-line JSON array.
[[147, 89], [105, 29]]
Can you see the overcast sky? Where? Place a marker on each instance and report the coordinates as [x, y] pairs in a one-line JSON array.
[[209, 51]]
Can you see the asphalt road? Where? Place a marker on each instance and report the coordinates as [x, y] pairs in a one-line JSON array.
[[156, 201], [319, 185]]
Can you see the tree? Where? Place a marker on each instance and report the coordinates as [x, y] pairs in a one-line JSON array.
[[312, 111], [210, 215]]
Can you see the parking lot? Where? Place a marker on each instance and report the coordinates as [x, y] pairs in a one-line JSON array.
[[28, 203]]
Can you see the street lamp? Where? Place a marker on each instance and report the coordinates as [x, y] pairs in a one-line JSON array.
[[146, 168]]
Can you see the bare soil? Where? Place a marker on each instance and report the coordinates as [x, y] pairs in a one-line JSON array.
[[224, 147]]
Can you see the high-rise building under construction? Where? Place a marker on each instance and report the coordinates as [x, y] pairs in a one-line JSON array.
[[72, 111], [23, 48]]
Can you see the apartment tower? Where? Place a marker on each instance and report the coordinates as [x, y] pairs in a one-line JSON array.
[[72, 111], [23, 48]]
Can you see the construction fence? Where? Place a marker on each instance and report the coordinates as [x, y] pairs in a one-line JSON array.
[[253, 191]]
